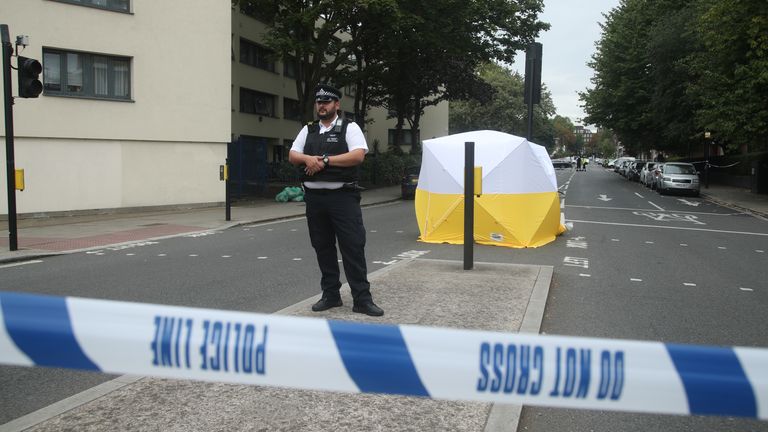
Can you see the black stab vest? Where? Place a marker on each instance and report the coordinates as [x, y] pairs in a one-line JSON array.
[[332, 142]]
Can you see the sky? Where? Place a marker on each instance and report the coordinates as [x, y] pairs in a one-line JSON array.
[[566, 49]]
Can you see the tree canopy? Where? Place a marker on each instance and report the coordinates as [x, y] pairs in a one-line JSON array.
[[506, 111], [668, 70], [402, 55]]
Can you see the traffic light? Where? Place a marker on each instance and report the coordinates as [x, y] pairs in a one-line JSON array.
[[29, 71]]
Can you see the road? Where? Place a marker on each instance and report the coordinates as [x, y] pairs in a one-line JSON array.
[[635, 265]]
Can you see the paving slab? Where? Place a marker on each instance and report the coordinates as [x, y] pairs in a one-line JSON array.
[[425, 292]]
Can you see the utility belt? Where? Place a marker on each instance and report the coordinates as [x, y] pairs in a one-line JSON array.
[[346, 187]]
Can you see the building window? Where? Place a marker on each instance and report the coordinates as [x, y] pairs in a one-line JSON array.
[[256, 56], [290, 67], [291, 109], [253, 102], [69, 73], [114, 5]]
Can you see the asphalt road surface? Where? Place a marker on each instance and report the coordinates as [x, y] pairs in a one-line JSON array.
[[635, 265]]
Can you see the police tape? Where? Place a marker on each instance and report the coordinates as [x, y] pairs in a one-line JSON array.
[[316, 354]]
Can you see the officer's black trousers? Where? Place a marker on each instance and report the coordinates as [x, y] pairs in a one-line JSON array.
[[332, 215]]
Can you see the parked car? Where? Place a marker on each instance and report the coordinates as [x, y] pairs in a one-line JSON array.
[[618, 163], [646, 174], [633, 170], [561, 163], [409, 182], [678, 177]]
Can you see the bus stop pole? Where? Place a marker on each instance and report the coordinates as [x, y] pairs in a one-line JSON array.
[[469, 204]]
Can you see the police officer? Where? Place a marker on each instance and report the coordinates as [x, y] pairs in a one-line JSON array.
[[329, 153]]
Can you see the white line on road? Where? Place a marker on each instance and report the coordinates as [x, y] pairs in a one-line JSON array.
[[226, 256], [297, 259], [745, 289], [615, 240], [759, 251], [21, 263], [262, 257], [689, 284], [658, 207], [683, 244], [648, 242], [722, 247], [635, 280], [670, 227], [192, 255], [639, 195], [584, 275]]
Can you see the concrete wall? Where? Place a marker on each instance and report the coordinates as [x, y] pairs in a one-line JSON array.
[[164, 145]]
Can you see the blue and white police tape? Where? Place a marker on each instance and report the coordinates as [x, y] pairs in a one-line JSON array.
[[309, 353]]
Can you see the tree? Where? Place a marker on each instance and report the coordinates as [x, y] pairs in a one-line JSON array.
[[505, 111], [731, 71], [305, 32], [563, 132]]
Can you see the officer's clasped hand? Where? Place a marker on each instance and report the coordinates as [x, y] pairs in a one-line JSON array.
[[314, 165]]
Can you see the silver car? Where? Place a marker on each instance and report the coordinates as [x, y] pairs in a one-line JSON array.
[[678, 177]]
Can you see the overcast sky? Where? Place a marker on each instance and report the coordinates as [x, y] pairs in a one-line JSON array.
[[567, 47]]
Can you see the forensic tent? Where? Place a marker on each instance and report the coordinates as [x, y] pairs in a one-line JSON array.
[[519, 206]]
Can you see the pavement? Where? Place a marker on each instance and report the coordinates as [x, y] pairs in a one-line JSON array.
[[492, 296]]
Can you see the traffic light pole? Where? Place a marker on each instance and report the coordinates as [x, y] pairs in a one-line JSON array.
[[9, 156]]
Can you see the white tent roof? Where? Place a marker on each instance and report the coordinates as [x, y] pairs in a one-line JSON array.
[[511, 164]]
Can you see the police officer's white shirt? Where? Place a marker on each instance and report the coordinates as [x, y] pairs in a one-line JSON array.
[[355, 140]]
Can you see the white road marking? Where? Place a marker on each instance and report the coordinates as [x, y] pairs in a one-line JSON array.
[[604, 197], [576, 243], [745, 289], [262, 257], [162, 255], [576, 262], [670, 227], [689, 284], [200, 234], [639, 195], [373, 231], [226, 256], [648, 242], [270, 229], [399, 231], [130, 254], [686, 202], [294, 230], [658, 207], [683, 244], [584, 275], [297, 259], [192, 255], [673, 217], [635, 280], [615, 240], [386, 262], [21, 263], [759, 251], [722, 247]]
